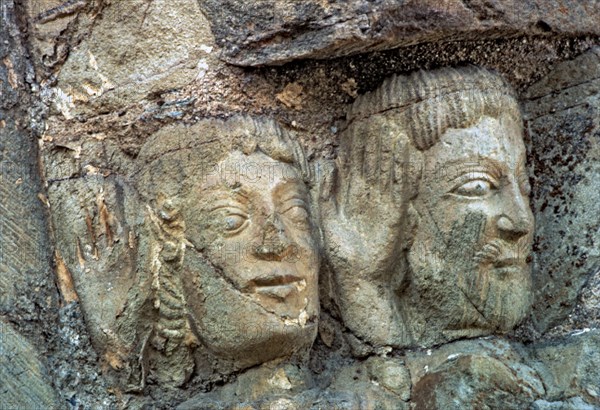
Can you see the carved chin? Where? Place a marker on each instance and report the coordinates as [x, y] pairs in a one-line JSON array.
[[499, 298], [235, 326], [465, 303]]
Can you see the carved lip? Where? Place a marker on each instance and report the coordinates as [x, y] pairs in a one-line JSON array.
[[276, 285], [280, 292], [274, 279]]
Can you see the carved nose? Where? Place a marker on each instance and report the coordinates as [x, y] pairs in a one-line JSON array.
[[273, 244], [515, 220], [513, 229]]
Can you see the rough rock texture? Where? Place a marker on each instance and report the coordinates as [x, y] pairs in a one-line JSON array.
[[377, 381], [483, 373], [25, 381], [563, 123], [37, 297], [575, 403], [28, 297], [99, 245], [275, 32], [105, 78], [25, 251], [568, 366], [117, 56]]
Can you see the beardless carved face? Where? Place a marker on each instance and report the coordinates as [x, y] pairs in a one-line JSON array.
[[470, 254], [251, 282]]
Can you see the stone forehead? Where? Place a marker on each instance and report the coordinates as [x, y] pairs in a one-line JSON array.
[[216, 137], [490, 138], [177, 155]]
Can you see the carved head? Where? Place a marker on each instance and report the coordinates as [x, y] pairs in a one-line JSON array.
[[462, 260], [230, 205]]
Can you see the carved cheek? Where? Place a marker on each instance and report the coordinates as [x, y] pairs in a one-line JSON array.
[[202, 231], [309, 254]]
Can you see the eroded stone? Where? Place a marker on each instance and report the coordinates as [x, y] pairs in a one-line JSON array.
[[275, 31], [202, 261], [25, 381], [483, 373], [136, 49], [563, 126], [570, 366]]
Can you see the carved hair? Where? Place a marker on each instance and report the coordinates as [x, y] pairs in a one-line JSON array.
[[170, 164], [430, 102], [173, 158]]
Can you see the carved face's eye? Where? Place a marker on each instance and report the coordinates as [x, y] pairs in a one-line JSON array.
[[474, 188], [233, 222], [297, 212]]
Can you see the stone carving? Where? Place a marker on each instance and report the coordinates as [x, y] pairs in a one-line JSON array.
[[427, 225], [233, 258], [158, 251]]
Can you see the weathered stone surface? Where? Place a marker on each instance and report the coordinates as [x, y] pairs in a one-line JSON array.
[[575, 403], [95, 221], [275, 31], [53, 24], [24, 381], [28, 294], [194, 294], [471, 382], [136, 49], [25, 256], [377, 382], [484, 373], [562, 117], [275, 385], [570, 366], [232, 237], [202, 260]]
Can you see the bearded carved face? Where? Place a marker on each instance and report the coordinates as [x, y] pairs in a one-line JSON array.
[[428, 228], [469, 260]]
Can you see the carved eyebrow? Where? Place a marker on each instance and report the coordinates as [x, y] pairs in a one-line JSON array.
[[290, 189], [493, 167], [222, 198], [227, 204]]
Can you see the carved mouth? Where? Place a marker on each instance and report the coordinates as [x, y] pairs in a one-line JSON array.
[[499, 254], [510, 263], [274, 280], [506, 268], [280, 292], [277, 286]]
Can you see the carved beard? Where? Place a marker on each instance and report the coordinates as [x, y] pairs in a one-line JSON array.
[[502, 295], [456, 290]]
